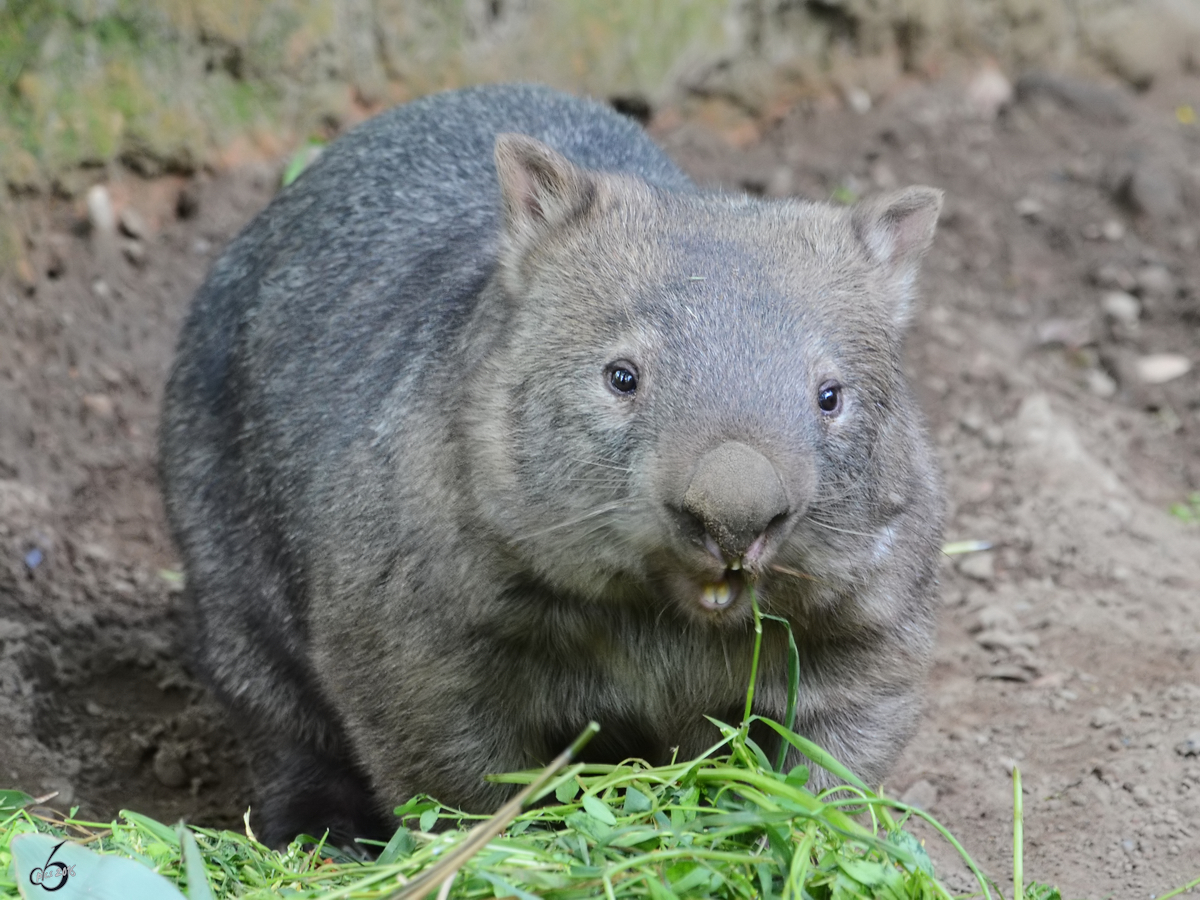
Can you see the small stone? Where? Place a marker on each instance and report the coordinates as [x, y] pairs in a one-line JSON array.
[[1190, 745], [1074, 332], [131, 223], [858, 100], [168, 767], [11, 630], [1159, 368], [1141, 795], [1111, 275], [1005, 640], [1112, 230], [922, 794], [1155, 281], [979, 566], [1102, 718], [1101, 383], [1121, 306], [989, 92], [1153, 189], [101, 289], [1029, 207], [99, 405], [100, 210], [135, 252], [93, 708]]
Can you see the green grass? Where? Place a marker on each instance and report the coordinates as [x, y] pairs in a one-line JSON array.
[[730, 824]]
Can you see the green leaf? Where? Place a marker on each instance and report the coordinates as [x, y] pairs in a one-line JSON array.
[[599, 809], [401, 844], [11, 801], [429, 819], [197, 877], [567, 791], [160, 831], [636, 801]]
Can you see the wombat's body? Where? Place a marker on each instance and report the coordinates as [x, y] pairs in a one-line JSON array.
[[468, 444]]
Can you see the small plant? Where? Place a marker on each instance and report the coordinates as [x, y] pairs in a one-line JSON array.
[[1189, 510]]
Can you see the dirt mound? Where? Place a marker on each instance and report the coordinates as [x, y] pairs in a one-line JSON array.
[[1062, 295]]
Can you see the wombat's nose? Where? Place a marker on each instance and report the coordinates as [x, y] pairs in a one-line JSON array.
[[735, 493]]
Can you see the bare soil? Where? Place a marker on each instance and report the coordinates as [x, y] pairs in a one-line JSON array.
[[1066, 258]]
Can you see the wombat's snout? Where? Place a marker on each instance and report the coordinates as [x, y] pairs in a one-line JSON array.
[[736, 494]]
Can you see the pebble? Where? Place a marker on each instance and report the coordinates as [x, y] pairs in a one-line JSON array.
[[979, 566], [1190, 745], [135, 252], [100, 210], [1122, 307], [11, 630], [858, 100], [1155, 281], [1113, 230], [922, 794], [1102, 718], [1029, 207], [1153, 189], [132, 224], [1159, 368], [1101, 383], [1111, 275], [99, 405], [989, 92], [168, 767]]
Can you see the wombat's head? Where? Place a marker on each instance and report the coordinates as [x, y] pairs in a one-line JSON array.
[[684, 393]]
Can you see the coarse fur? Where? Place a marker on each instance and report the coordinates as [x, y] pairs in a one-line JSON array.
[[427, 532]]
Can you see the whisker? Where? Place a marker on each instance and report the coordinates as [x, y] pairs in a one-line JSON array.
[[793, 572]]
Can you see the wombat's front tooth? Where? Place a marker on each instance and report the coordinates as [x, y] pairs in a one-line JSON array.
[[735, 565], [718, 595]]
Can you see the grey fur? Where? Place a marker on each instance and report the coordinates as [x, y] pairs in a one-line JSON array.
[[426, 539]]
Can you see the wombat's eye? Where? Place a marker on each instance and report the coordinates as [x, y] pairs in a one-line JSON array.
[[829, 398], [622, 376]]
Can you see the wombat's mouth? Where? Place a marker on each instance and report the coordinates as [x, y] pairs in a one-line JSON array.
[[721, 594]]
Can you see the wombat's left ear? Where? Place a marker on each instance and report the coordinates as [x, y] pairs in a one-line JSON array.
[[896, 230]]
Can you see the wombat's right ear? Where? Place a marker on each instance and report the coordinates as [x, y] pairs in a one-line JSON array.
[[541, 190]]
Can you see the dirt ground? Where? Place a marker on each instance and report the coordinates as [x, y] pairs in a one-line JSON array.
[[1065, 267]]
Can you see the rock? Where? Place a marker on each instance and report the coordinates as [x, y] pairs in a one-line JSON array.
[[1155, 281], [1101, 104], [100, 213], [1101, 383], [989, 92], [1121, 307], [922, 794], [11, 630], [979, 566], [168, 766], [1102, 718], [1029, 207], [858, 100], [1159, 368], [1113, 276], [135, 252], [1153, 190], [131, 223], [1190, 745], [1113, 230], [995, 639], [1073, 333], [99, 405]]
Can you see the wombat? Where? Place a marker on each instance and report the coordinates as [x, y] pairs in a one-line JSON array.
[[488, 425]]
